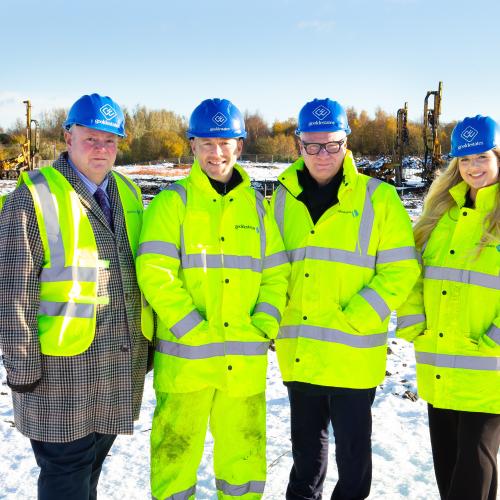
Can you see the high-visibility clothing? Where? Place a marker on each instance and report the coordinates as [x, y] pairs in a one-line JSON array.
[[453, 314], [238, 426], [214, 269], [2, 200], [349, 271], [68, 281]]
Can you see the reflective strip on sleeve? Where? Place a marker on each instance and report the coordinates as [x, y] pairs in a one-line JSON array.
[[462, 276], [160, 248], [279, 209], [331, 335], [396, 254], [376, 301], [237, 490], [128, 183], [267, 308], [66, 309], [211, 350], [180, 190], [410, 320], [186, 324], [494, 333], [332, 255], [261, 211], [276, 259], [455, 361]]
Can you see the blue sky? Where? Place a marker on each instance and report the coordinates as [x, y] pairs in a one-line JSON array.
[[267, 56]]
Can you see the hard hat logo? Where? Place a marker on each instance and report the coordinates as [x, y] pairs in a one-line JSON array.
[[321, 112], [469, 133], [108, 112], [219, 119]]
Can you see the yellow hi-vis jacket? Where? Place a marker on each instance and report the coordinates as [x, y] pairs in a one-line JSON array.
[[214, 269], [349, 271], [453, 314], [68, 281]]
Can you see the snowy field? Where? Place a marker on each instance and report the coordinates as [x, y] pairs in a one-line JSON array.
[[402, 463]]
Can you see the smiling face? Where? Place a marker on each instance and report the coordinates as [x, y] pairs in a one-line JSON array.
[[93, 152], [217, 155], [479, 170], [323, 166]]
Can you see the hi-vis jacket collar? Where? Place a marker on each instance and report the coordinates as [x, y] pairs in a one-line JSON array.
[[290, 180], [200, 179], [485, 198]]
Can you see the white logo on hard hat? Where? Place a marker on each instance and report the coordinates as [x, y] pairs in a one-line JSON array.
[[108, 112], [219, 118], [321, 112], [469, 133]]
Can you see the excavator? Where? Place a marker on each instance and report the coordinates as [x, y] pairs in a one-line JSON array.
[[25, 160]]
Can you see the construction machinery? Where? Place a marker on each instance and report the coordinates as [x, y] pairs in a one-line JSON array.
[[430, 132], [25, 160], [402, 140]]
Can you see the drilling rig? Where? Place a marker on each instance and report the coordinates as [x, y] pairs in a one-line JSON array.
[[25, 160], [402, 140], [432, 147]]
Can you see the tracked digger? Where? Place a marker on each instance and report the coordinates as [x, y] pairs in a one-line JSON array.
[[11, 168]]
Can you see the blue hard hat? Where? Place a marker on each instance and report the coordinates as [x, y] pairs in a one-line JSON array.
[[474, 135], [97, 112], [322, 115], [216, 118]]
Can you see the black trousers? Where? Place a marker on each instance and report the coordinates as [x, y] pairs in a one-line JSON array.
[[464, 450], [349, 411], [70, 471]]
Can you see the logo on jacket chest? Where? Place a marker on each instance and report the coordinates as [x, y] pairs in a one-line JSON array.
[[246, 226]]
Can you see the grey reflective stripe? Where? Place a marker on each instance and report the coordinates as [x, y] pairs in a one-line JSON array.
[[332, 255], [396, 254], [376, 301], [67, 309], [211, 350], [410, 320], [368, 216], [237, 490], [50, 219], [276, 259], [454, 361], [279, 209], [180, 190], [128, 184], [261, 212], [265, 307], [49, 274], [330, 335], [160, 248], [494, 333], [204, 261], [186, 324], [462, 276], [182, 495]]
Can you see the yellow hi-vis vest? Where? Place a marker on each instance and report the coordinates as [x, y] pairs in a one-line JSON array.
[[69, 277]]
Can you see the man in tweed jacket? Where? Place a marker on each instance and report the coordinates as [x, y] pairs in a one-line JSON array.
[[73, 406]]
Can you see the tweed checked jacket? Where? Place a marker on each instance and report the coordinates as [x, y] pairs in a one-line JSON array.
[[99, 390]]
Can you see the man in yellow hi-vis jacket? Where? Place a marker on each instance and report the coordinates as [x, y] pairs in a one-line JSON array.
[[212, 265], [352, 254]]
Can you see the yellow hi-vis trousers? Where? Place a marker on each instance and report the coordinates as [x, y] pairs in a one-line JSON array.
[[238, 426]]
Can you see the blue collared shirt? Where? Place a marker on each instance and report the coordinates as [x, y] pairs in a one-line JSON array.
[[91, 186]]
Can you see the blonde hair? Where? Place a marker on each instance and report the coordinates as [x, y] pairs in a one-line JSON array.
[[438, 201]]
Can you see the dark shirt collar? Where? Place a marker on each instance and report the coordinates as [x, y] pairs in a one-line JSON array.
[[224, 188]]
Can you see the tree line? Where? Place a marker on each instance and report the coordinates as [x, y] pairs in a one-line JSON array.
[[155, 135]]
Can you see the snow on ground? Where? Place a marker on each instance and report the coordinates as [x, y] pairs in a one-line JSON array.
[[402, 464]]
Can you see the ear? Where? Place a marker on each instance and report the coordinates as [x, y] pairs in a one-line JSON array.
[[192, 144], [239, 147], [68, 139]]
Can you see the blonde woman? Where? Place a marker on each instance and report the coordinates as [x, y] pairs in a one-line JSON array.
[[453, 314]]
